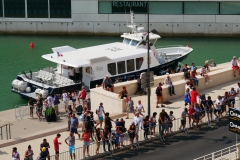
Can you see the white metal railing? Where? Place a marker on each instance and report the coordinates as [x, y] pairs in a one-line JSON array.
[[229, 153], [169, 46]]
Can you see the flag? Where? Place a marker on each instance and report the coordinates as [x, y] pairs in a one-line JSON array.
[[58, 54]]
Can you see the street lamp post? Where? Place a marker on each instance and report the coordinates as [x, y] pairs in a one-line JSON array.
[[148, 63]]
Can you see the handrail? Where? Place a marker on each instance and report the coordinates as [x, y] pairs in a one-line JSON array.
[[8, 130], [223, 153], [169, 46]]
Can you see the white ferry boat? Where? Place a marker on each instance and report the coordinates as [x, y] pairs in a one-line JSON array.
[[125, 60]]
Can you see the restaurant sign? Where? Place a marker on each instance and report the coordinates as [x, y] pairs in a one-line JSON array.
[[234, 120], [126, 6]]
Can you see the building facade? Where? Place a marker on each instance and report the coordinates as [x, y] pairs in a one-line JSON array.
[[103, 17]]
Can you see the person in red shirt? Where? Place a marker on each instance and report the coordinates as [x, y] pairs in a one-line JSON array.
[[82, 95], [56, 146], [191, 112], [194, 95]]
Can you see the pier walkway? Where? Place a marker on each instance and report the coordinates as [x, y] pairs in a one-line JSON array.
[[28, 131]]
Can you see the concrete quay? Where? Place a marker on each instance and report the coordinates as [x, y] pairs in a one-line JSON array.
[[28, 131], [36, 131]]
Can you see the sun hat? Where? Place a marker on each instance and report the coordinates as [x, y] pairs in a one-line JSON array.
[[234, 56]]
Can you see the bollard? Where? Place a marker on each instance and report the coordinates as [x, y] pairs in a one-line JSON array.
[[238, 150]]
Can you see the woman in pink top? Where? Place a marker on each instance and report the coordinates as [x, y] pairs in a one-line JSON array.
[[235, 67], [86, 142]]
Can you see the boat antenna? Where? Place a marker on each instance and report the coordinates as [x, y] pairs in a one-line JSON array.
[[126, 16], [134, 27]]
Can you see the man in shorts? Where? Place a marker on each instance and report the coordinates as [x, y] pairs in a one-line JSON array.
[[56, 146], [159, 95], [55, 103], [183, 119], [138, 121], [130, 107], [217, 109], [46, 145], [71, 145], [232, 95], [108, 84], [100, 111], [74, 125]]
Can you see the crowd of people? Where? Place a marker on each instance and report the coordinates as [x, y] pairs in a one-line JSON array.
[[196, 107]]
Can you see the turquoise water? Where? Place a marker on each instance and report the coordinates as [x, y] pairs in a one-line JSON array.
[[16, 55]]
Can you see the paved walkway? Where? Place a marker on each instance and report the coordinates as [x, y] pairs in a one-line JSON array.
[[30, 132]]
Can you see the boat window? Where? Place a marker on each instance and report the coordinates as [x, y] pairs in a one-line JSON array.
[[89, 70], [130, 65], [112, 68], [126, 41], [139, 62], [121, 67], [134, 43]]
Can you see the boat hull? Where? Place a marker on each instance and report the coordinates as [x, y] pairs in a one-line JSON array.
[[135, 75]]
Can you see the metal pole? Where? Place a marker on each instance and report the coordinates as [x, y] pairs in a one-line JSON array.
[[10, 131], [148, 65], [7, 132]]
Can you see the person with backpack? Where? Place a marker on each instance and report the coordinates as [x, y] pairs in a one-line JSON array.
[[89, 126], [159, 95], [100, 112]]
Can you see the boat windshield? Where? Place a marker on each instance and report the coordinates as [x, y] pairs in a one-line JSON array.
[[126, 41], [134, 43]]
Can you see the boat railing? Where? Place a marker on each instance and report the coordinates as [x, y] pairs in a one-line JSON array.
[[169, 46], [37, 70]]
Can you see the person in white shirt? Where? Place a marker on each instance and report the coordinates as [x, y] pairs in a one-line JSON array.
[[71, 73], [235, 67], [217, 110], [238, 90], [65, 99], [203, 73], [140, 108], [138, 121], [100, 111], [50, 100], [168, 82]]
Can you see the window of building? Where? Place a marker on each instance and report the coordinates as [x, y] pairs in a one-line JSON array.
[[139, 62], [112, 68], [121, 67], [14, 8], [1, 9], [232, 8], [130, 65], [166, 8], [60, 8], [104, 7], [202, 8], [37, 8]]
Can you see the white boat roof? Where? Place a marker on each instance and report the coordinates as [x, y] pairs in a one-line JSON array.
[[138, 36], [94, 54]]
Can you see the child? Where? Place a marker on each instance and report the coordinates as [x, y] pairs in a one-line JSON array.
[[121, 138], [166, 122], [113, 140], [117, 135]]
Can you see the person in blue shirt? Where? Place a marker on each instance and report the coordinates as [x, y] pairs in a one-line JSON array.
[[55, 103], [193, 67]]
